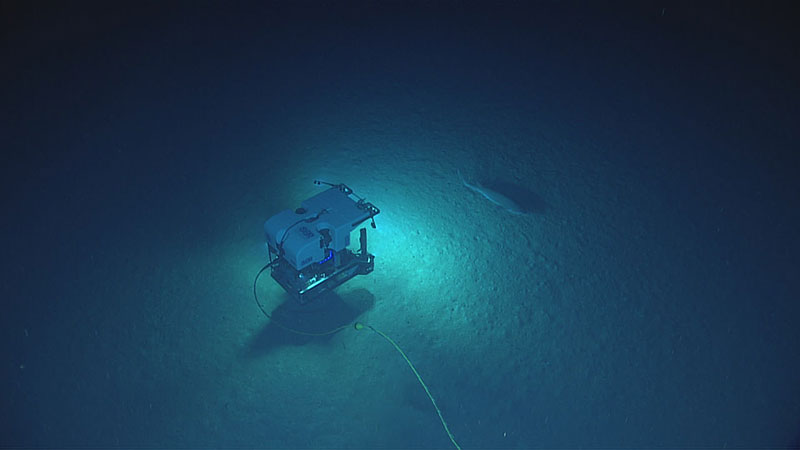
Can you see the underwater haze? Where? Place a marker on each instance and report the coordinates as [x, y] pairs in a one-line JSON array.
[[587, 234]]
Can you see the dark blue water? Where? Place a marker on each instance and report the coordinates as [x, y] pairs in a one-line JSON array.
[[646, 297]]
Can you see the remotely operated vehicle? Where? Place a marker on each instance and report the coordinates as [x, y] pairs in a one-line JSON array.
[[309, 248]]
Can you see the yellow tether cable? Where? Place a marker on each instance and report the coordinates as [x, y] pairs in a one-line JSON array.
[[359, 326]]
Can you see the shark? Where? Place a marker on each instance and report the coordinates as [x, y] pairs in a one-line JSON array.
[[494, 196]]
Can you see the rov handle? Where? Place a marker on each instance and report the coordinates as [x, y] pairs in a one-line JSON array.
[[341, 186]]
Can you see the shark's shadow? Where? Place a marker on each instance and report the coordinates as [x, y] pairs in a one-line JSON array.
[[325, 313], [529, 201]]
